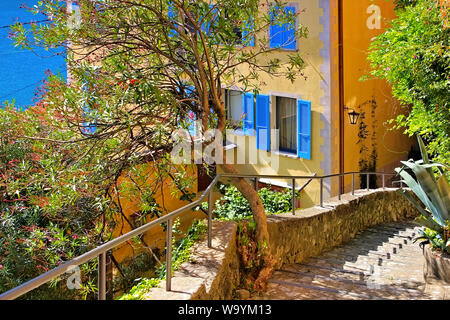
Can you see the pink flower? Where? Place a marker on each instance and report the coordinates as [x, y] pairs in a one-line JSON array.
[[388, 68], [191, 115], [1, 266], [415, 57]]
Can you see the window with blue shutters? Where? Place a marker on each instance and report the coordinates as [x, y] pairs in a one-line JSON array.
[[283, 36], [304, 129], [263, 122], [248, 105], [293, 122]]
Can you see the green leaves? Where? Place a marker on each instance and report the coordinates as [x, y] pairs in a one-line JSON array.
[[233, 206], [413, 56], [433, 193]]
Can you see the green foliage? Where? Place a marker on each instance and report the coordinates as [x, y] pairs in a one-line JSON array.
[[138, 291], [181, 252], [435, 239], [413, 56], [40, 228], [434, 195], [233, 205], [404, 3]]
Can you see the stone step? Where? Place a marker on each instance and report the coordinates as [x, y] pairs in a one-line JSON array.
[[349, 274], [366, 267], [410, 235], [367, 280], [376, 257], [390, 245], [385, 252], [344, 287], [367, 260], [376, 237]]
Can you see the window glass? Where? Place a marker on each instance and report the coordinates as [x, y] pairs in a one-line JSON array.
[[234, 106], [286, 113]]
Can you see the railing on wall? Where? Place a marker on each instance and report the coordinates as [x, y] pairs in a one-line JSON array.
[[101, 251]]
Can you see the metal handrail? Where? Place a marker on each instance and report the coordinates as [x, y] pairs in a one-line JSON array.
[[101, 250]]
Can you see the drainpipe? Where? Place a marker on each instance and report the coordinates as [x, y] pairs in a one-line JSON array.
[[341, 91]]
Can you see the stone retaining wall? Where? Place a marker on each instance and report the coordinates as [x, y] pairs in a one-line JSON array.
[[315, 230], [309, 233]]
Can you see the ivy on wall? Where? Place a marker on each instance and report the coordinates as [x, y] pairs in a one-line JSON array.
[[367, 142]]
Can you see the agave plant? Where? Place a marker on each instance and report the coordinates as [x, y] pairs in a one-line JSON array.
[[433, 194]]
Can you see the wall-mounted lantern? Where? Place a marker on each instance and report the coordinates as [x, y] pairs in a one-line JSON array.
[[353, 115]]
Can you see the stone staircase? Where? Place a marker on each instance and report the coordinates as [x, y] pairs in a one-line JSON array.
[[380, 263]]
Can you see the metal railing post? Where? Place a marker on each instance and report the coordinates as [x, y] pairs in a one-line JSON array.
[[102, 276], [353, 184], [368, 182], [210, 204], [169, 256], [256, 183], [293, 197], [384, 183], [321, 192], [339, 187]]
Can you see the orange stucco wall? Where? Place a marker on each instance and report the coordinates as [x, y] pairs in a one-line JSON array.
[[165, 195], [392, 146]]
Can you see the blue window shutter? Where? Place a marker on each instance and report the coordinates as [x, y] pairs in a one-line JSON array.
[[248, 105], [276, 36], [249, 42], [289, 33], [172, 14], [285, 33], [304, 129], [262, 122]]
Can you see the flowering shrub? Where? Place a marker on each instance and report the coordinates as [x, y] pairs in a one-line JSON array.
[[38, 229]]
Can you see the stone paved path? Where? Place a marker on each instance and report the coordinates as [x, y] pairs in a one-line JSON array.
[[380, 263]]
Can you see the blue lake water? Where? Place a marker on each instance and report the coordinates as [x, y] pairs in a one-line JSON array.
[[22, 71]]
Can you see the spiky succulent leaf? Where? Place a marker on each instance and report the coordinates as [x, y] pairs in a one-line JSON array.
[[423, 150], [418, 191], [444, 190], [425, 219], [429, 185]]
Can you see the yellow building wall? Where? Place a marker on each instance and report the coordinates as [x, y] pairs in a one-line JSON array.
[[392, 145], [321, 86], [306, 89]]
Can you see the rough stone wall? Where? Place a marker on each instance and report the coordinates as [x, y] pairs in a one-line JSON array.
[[314, 231]]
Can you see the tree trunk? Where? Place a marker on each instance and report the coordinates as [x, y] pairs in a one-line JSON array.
[[262, 234]]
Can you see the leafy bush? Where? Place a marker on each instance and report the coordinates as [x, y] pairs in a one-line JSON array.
[[36, 233], [413, 56], [233, 205]]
